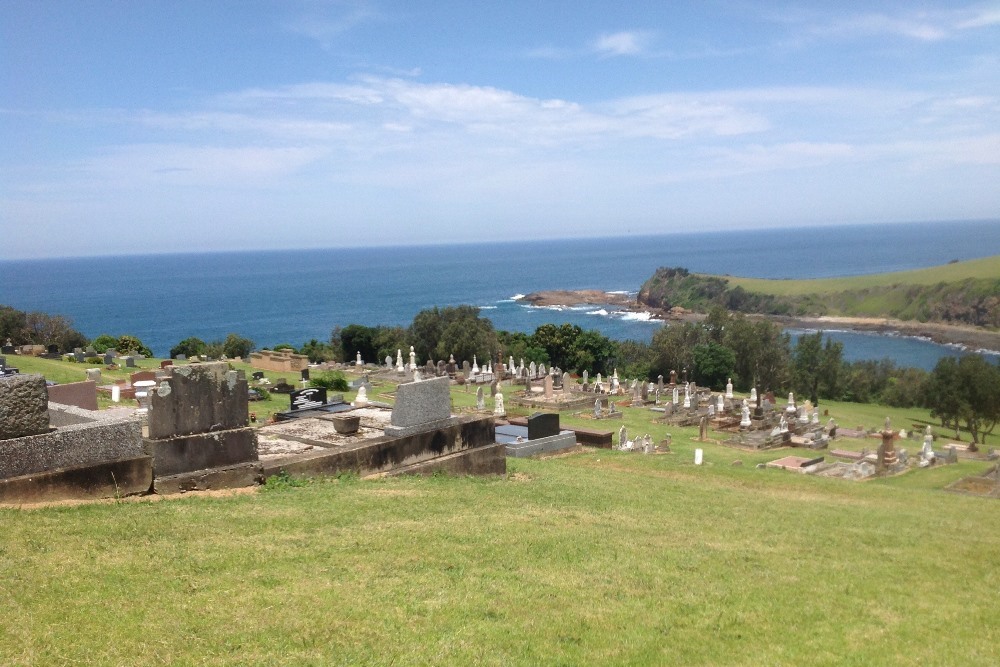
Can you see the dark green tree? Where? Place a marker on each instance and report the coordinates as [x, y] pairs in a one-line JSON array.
[[237, 346], [128, 344], [189, 347], [713, 364], [817, 367]]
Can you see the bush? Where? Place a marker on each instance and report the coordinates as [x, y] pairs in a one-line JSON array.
[[332, 381], [189, 347]]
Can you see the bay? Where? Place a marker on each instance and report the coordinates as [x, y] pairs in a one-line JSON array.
[[291, 296]]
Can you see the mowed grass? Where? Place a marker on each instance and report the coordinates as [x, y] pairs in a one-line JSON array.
[[597, 557], [984, 268]]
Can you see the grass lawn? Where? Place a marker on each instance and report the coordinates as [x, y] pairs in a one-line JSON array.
[[987, 267], [591, 558], [594, 558]]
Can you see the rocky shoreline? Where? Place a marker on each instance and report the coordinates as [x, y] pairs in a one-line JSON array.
[[970, 337]]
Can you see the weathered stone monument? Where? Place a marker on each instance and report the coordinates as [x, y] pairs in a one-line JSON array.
[[24, 406], [199, 420]]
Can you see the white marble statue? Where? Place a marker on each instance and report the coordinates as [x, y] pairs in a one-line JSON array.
[[361, 400], [399, 361], [745, 415], [413, 358], [358, 361], [475, 365], [790, 408], [720, 404], [498, 407], [729, 388], [783, 425], [753, 394]]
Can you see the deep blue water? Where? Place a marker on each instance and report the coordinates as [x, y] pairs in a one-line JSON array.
[[291, 296]]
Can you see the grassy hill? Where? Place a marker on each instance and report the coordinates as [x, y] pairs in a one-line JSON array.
[[962, 293], [592, 558], [595, 558]]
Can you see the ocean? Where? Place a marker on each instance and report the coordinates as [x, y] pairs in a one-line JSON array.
[[291, 296]]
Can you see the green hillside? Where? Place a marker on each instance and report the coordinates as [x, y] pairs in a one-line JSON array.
[[962, 293]]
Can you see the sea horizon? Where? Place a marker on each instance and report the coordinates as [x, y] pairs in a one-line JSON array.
[[293, 295]]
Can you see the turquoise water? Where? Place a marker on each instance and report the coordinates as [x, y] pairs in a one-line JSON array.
[[292, 296]]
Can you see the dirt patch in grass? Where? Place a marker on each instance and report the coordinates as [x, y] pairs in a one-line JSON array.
[[153, 497]]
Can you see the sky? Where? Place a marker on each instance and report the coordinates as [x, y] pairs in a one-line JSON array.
[[139, 126]]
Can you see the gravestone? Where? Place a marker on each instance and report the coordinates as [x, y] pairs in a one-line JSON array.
[[181, 357], [94, 374], [442, 368], [141, 376], [543, 425], [166, 363], [197, 399], [7, 349], [3, 362], [310, 397], [80, 357], [129, 362], [258, 375], [480, 399], [109, 358], [24, 406], [304, 373], [420, 406], [548, 386]]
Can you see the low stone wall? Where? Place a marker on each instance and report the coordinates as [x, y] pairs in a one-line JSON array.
[[73, 446], [386, 454]]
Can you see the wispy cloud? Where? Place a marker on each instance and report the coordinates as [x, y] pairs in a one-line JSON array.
[[325, 23], [625, 43], [911, 24]]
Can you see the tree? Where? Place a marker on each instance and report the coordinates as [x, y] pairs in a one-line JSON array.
[[103, 343], [357, 338], [455, 330], [965, 390], [237, 346], [128, 345], [713, 364], [317, 351], [189, 347], [673, 347], [771, 356], [816, 366]]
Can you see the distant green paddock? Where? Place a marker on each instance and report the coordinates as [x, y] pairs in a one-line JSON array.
[[985, 268]]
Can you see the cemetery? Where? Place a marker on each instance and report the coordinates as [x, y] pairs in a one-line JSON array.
[[623, 490]]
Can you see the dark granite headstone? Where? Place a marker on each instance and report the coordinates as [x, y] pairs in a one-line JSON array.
[[53, 349], [181, 357], [129, 362], [310, 397], [258, 375], [7, 349], [109, 359], [305, 375], [543, 425]]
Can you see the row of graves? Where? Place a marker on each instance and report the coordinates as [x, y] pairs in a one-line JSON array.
[[192, 431]]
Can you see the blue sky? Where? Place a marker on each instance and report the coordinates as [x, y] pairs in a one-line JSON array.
[[145, 126]]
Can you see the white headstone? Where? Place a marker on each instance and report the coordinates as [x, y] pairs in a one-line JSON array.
[[699, 457], [729, 388], [361, 400], [498, 408]]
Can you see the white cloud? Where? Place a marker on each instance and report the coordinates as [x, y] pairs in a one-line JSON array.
[[915, 24], [625, 43]]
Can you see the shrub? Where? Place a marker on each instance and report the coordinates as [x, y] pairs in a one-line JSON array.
[[332, 381]]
